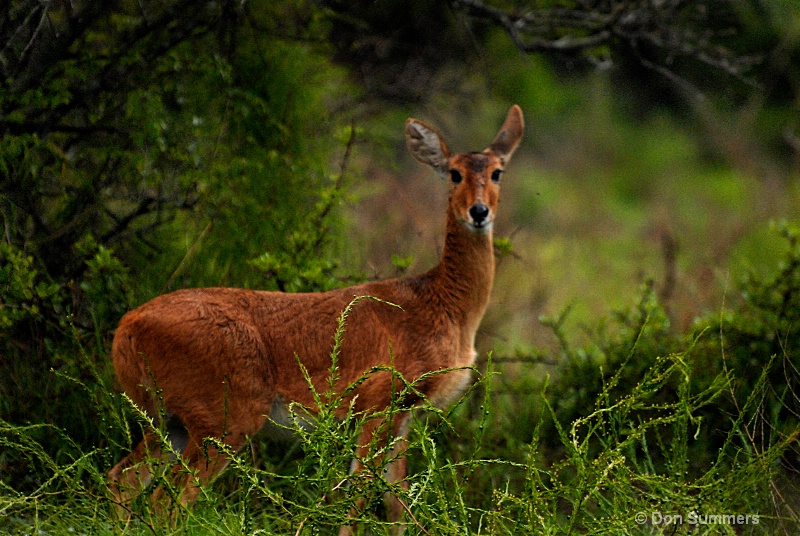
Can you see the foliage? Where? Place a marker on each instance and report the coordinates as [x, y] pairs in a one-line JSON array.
[[142, 150], [157, 127], [660, 52], [608, 480], [626, 463], [731, 356], [23, 288], [299, 265]]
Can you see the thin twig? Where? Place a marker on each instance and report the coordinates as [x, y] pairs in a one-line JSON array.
[[186, 258]]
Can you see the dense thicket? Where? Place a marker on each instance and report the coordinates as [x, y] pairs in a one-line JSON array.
[[144, 149]]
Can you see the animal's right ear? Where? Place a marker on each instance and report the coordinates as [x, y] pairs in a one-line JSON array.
[[427, 145]]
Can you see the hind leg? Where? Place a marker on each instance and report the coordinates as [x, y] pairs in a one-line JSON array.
[[202, 461], [200, 464], [132, 474]]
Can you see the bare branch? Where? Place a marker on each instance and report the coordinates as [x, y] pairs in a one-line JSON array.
[[671, 29]]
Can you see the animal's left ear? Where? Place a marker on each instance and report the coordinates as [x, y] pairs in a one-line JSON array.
[[507, 140]]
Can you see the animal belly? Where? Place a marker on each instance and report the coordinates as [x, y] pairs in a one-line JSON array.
[[284, 419], [451, 386]]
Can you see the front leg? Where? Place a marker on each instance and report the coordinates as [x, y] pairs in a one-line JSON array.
[[396, 470], [393, 462]]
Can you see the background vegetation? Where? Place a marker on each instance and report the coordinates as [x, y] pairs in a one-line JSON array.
[[643, 332]]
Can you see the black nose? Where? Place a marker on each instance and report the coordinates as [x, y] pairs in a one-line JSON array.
[[479, 213]]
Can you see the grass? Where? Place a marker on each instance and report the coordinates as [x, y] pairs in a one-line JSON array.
[[624, 466]]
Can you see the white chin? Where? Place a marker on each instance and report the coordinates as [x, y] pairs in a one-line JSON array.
[[482, 228]]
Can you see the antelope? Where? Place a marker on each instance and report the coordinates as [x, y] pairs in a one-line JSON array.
[[219, 361]]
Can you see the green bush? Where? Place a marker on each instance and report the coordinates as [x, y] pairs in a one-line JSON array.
[[154, 156], [25, 292]]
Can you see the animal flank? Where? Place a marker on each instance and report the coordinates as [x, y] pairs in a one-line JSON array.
[[224, 359]]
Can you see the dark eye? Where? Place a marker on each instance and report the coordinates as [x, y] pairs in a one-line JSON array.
[[496, 175], [455, 176]]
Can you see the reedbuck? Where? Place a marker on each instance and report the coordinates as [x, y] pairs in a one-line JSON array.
[[218, 361]]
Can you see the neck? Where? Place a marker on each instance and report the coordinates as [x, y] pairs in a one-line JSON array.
[[464, 277]]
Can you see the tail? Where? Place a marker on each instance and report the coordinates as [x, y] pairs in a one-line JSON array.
[[130, 366]]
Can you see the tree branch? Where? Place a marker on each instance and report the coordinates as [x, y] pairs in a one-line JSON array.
[[669, 27]]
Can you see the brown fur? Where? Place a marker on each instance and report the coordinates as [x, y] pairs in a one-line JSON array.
[[223, 357]]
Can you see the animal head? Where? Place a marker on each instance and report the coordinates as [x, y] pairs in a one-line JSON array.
[[474, 177]]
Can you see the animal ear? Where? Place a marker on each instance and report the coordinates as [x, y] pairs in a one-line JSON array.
[[427, 145], [507, 140]]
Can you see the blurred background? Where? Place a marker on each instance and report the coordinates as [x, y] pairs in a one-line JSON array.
[[151, 146]]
